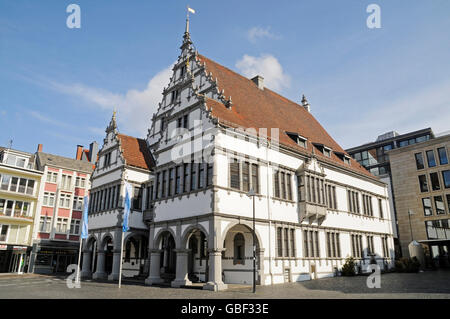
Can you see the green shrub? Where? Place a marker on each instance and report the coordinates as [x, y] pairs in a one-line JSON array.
[[407, 265], [348, 269]]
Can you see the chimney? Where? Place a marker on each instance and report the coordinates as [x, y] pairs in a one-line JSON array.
[[259, 81], [93, 152], [305, 104], [39, 148], [79, 152]]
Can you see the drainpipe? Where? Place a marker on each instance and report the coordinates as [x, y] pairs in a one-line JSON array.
[[269, 210]]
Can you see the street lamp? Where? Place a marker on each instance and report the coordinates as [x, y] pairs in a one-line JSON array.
[[410, 212], [252, 194]]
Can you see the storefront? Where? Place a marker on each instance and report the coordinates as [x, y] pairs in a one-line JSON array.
[[14, 258], [51, 259]]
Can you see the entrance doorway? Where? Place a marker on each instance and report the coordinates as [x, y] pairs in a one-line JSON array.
[[17, 263]]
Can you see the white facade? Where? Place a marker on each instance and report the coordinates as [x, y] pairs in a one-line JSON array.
[[204, 233]]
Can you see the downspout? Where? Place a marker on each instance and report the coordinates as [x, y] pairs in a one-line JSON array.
[[269, 210]]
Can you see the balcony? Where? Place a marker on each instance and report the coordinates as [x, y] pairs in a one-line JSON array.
[[148, 215], [312, 212]]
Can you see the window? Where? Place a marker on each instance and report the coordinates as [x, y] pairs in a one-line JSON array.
[[22, 185], [234, 174], [77, 203], [5, 182], [80, 182], [185, 177], [14, 183], [30, 187], [107, 160], [61, 225], [370, 247], [286, 243], [64, 200], [380, 207], [283, 184], [367, 205], [45, 224], [49, 199], [209, 174], [430, 158], [158, 182], [419, 161], [193, 175], [3, 232], [174, 97], [435, 185], [171, 178], [384, 241], [446, 178], [305, 244], [9, 208], [357, 246], [439, 204], [438, 229], [137, 198], [239, 249], [164, 184], [186, 121], [52, 176], [2, 206], [353, 201], [201, 175], [178, 180], [75, 226], [442, 156], [333, 245], [292, 239], [279, 242], [427, 209], [423, 183], [66, 181], [311, 240], [245, 176], [276, 183], [288, 187]]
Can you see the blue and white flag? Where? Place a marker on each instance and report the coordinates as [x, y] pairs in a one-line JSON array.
[[84, 227], [127, 208]]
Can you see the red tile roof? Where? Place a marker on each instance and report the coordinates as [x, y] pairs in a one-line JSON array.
[[256, 108], [136, 152]]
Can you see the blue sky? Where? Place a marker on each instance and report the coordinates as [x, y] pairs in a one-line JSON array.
[[58, 86]]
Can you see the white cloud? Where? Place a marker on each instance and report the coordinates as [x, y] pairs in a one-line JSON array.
[[412, 111], [266, 66], [256, 33], [134, 108]]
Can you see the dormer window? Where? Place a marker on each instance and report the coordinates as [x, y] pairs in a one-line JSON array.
[[344, 157], [300, 140], [325, 150]]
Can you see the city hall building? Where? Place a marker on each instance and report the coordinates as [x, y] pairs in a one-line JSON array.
[[225, 156]]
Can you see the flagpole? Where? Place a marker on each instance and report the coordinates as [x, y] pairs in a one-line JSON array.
[[79, 259], [121, 256]]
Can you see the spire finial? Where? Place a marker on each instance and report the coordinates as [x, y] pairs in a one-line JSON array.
[[112, 124], [305, 103]]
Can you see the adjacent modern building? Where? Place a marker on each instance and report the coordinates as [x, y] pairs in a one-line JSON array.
[[230, 169], [374, 157], [421, 177], [56, 230], [20, 182]]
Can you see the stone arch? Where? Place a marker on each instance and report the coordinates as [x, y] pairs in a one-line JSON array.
[[188, 232], [157, 238], [103, 241], [88, 245], [248, 225]]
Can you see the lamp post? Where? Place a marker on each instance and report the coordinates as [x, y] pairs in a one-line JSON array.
[[410, 212], [252, 194]]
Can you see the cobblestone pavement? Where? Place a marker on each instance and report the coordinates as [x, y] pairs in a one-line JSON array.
[[431, 284]]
